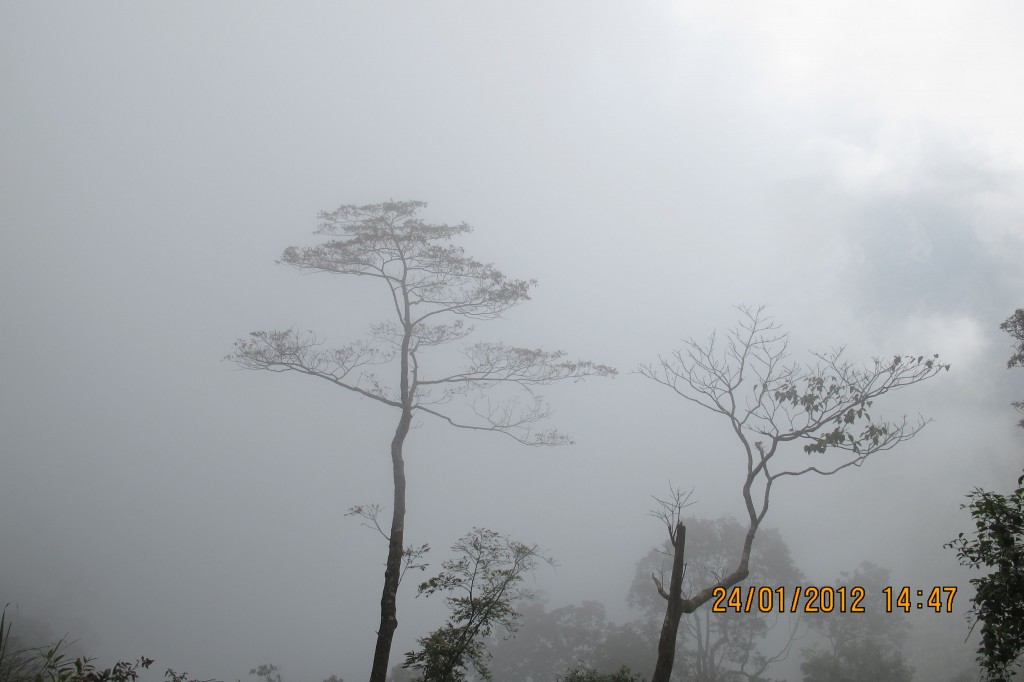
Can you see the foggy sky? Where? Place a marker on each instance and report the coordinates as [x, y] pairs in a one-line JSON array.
[[858, 168]]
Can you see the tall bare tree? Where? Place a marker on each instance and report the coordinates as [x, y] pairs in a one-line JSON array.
[[769, 405], [432, 288]]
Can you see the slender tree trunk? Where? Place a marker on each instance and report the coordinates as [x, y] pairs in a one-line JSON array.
[[673, 610], [393, 570]]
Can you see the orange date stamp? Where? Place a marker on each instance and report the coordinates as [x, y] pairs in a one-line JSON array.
[[799, 599], [793, 600]]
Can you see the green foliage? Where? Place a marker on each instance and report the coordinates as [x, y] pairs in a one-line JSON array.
[[1014, 326], [998, 544], [446, 655], [482, 584], [840, 393], [583, 673], [58, 668], [52, 664], [998, 603]]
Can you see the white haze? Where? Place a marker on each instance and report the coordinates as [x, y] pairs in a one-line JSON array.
[[857, 166]]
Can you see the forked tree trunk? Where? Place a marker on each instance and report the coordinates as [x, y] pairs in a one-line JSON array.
[[393, 569], [673, 610]]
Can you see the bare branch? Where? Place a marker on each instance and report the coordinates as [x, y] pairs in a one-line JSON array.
[[825, 405], [670, 509], [289, 350], [368, 512], [492, 363], [411, 556], [511, 421]]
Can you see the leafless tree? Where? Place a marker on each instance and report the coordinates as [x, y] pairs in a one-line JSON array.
[[769, 404], [432, 288]]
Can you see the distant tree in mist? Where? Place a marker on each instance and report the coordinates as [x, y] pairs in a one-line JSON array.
[[719, 647], [551, 642], [430, 290], [859, 661], [716, 647], [859, 647], [769, 405]]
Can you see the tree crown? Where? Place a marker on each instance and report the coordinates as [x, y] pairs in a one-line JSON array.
[[426, 275], [769, 401], [433, 288]]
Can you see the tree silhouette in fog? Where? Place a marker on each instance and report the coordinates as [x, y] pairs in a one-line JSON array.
[[771, 404], [430, 290]]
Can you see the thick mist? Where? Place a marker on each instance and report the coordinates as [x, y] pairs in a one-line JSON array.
[[857, 169]]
